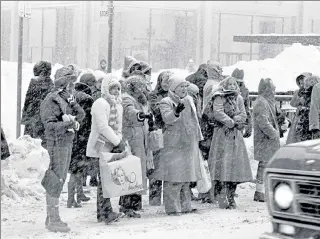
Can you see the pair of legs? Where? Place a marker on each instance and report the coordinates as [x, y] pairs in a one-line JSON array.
[[129, 204], [177, 198], [75, 185], [224, 193], [93, 172], [155, 192]]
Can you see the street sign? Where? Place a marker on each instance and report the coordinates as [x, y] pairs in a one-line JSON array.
[[24, 10], [101, 11]]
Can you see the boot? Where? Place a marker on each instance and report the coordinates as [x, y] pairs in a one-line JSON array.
[[129, 212], [222, 198], [258, 197], [113, 217], [71, 192], [53, 220], [80, 194], [155, 189], [93, 181], [231, 194]]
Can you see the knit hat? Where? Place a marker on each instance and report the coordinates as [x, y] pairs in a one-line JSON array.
[[264, 87], [108, 82], [129, 62], [63, 77], [193, 89], [42, 66], [175, 81], [145, 67], [238, 75]]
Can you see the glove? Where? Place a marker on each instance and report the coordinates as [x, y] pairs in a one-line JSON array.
[[65, 118], [141, 116], [247, 131], [149, 116], [72, 118], [239, 126], [120, 148], [151, 125], [179, 108]]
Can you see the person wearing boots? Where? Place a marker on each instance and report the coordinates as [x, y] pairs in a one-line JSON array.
[[79, 160], [266, 136], [40, 86], [160, 92], [60, 115], [179, 163], [135, 131], [105, 135], [228, 157]]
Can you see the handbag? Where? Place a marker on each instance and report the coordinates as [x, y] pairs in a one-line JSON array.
[[155, 140], [52, 183], [205, 184]]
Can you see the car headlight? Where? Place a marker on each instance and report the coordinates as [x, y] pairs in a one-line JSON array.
[[283, 196]]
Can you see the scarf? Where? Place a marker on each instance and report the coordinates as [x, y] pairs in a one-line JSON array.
[[114, 113]]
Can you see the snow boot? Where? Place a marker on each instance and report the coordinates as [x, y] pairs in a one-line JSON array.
[[81, 197], [53, 221], [232, 187], [222, 199], [71, 192], [113, 217], [130, 212], [258, 197]]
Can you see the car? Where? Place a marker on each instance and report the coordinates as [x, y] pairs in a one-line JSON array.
[[292, 184]]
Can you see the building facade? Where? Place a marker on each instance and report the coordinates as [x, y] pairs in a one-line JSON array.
[[166, 34]]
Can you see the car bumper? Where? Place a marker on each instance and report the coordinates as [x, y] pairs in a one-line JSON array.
[[274, 236]]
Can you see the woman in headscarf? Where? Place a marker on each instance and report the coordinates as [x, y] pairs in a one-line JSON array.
[[60, 115], [228, 158], [131, 65], [79, 161], [136, 117], [160, 92], [297, 102], [302, 129], [179, 163], [105, 135], [146, 70], [40, 86]]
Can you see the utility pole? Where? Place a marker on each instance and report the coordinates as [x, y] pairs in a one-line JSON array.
[[110, 36], [300, 17], [150, 35], [19, 80]]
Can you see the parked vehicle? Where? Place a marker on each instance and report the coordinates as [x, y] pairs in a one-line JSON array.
[[292, 183]]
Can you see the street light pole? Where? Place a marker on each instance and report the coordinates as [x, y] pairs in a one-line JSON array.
[[110, 36], [19, 81]]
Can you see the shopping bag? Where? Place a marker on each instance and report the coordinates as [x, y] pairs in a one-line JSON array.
[[121, 177], [155, 141], [205, 184]]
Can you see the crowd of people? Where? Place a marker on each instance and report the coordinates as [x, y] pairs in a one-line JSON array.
[[82, 113]]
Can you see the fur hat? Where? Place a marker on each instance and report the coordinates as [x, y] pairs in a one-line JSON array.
[[176, 80], [63, 77], [88, 79], [42, 66], [238, 75]]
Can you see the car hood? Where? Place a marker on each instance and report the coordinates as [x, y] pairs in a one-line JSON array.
[[303, 156]]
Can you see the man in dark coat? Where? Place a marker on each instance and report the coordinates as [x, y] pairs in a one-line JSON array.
[[266, 137], [60, 115], [5, 153], [199, 78], [39, 87], [239, 75], [79, 161]]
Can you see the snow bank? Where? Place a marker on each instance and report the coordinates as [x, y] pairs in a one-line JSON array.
[[283, 69], [22, 172]]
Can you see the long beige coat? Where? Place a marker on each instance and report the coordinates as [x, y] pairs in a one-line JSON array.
[[179, 159]]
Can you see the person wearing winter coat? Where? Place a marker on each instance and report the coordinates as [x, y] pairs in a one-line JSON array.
[[314, 115], [159, 93], [76, 70], [266, 137], [228, 157], [5, 152], [105, 136], [297, 102], [191, 66], [60, 115], [136, 117], [96, 90], [302, 128], [179, 159], [79, 161], [40, 86], [199, 78], [239, 75]]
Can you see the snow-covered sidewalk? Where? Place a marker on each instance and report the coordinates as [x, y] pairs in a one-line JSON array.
[[248, 221]]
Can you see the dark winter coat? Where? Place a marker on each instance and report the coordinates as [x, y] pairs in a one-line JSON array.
[[266, 137], [39, 88], [5, 153], [78, 158], [199, 78], [314, 115]]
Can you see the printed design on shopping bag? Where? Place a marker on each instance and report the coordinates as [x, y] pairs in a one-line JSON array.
[[127, 181]]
